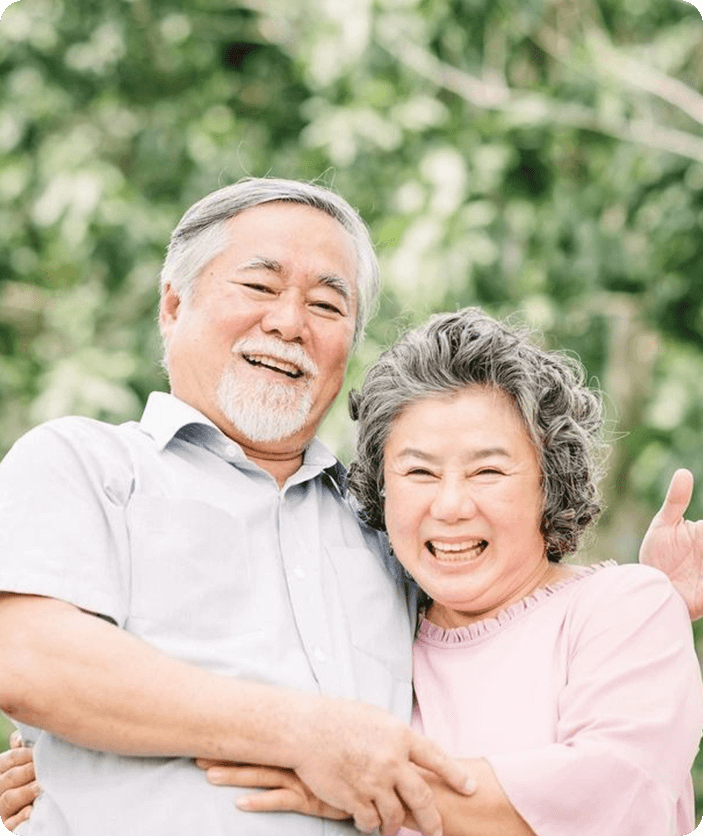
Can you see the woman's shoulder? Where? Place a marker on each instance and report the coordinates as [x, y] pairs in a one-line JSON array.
[[624, 578], [627, 593]]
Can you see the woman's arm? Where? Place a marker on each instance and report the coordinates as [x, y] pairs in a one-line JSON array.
[[488, 812]]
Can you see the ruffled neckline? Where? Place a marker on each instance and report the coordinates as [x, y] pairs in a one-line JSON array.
[[433, 634]]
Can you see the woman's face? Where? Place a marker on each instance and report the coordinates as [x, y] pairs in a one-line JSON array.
[[464, 503]]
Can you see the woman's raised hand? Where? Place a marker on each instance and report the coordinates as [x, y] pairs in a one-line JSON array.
[[675, 545]]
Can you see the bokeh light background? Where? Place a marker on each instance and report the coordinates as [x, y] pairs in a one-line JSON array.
[[542, 158]]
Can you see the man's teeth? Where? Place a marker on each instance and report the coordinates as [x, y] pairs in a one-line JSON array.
[[274, 363], [449, 550]]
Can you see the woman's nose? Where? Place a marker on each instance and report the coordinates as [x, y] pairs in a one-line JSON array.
[[452, 501]]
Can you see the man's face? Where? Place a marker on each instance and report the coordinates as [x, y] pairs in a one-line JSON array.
[[261, 348]]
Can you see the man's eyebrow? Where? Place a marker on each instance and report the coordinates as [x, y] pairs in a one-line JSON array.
[[330, 280], [338, 284], [258, 262]]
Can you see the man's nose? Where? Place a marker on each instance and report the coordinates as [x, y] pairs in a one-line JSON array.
[[285, 317], [452, 501]]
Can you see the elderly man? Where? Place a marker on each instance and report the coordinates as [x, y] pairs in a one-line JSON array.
[[216, 532], [232, 583]]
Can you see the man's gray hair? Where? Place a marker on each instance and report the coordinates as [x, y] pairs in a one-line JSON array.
[[202, 234], [561, 414]]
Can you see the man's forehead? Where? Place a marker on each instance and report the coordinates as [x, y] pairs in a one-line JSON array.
[[273, 207], [250, 251]]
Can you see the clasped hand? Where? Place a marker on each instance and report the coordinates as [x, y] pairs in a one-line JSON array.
[[357, 762]]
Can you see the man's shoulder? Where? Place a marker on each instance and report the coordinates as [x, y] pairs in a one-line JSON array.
[[78, 432], [52, 451]]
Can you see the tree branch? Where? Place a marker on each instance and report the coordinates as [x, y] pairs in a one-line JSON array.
[[605, 57], [537, 108]]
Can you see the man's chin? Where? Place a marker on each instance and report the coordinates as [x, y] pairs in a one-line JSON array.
[[266, 414], [267, 427]]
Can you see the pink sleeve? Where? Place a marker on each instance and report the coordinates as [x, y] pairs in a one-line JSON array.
[[630, 718]]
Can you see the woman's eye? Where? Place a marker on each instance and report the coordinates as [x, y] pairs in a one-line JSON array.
[[419, 471], [489, 471]]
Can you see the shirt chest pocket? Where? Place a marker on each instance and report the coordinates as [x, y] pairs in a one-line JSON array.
[[376, 610], [190, 571]]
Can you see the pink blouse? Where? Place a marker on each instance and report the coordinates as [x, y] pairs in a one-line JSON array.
[[585, 698]]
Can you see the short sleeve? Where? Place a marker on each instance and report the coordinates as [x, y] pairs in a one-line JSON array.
[[62, 532], [629, 718]]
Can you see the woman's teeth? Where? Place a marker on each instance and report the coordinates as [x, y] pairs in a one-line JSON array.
[[456, 551]]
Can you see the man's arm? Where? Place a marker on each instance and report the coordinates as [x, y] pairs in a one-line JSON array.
[[488, 812], [675, 545], [97, 686]]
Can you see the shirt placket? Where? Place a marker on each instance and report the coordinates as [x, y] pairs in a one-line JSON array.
[[299, 545]]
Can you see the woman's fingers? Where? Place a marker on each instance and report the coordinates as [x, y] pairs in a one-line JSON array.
[[12, 758], [16, 803], [280, 800], [16, 820], [18, 787], [237, 775]]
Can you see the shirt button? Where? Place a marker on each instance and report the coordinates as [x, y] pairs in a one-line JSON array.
[[319, 654], [299, 573], [231, 451]]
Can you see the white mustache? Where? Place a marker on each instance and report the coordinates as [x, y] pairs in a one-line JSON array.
[[277, 350]]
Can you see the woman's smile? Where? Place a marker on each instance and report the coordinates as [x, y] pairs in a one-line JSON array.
[[461, 551]]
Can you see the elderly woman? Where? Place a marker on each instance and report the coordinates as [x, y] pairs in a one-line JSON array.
[[573, 692], [577, 686]]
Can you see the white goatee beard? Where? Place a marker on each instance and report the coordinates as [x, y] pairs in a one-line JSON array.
[[265, 411]]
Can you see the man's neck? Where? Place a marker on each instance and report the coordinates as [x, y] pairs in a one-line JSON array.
[[281, 466], [280, 459]]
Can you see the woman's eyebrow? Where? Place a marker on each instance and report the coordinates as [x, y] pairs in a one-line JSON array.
[[474, 455]]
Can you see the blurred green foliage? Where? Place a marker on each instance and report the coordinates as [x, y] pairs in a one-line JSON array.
[[544, 157]]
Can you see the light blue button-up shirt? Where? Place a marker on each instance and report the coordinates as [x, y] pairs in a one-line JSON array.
[[166, 528]]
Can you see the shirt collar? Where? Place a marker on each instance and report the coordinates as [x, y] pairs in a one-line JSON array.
[[166, 416], [320, 457]]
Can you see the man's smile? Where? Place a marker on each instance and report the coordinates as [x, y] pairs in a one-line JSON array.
[[275, 364], [277, 357]]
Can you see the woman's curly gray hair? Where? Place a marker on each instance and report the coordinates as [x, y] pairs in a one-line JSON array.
[[561, 414]]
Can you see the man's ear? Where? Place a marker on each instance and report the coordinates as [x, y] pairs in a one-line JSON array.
[[169, 308]]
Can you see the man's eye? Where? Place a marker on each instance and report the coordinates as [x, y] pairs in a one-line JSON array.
[[261, 288], [419, 471], [327, 306], [489, 471]]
